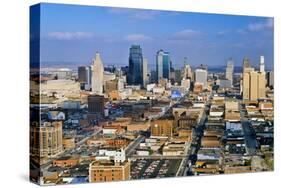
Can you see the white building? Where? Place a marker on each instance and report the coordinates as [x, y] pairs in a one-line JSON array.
[[145, 72], [185, 83], [97, 75], [117, 155], [229, 71], [261, 63], [201, 77]]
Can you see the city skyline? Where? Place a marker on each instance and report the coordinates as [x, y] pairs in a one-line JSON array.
[[79, 32], [189, 117]]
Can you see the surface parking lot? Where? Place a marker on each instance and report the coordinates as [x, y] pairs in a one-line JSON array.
[[148, 168]]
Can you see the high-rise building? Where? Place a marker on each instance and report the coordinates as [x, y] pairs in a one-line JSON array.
[[135, 76], [246, 86], [270, 78], [261, 85], [201, 76], [97, 75], [96, 104], [229, 70], [261, 63], [109, 170], [163, 64], [187, 72], [247, 66], [253, 85], [145, 72], [162, 128], [46, 140], [84, 77]]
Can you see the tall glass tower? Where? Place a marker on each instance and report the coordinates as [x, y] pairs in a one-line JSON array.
[[135, 75], [163, 64]]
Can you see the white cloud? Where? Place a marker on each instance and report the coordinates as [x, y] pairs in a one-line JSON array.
[[69, 35], [260, 26], [186, 34], [137, 37]]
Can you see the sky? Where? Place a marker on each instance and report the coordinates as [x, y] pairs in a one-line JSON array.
[[72, 34]]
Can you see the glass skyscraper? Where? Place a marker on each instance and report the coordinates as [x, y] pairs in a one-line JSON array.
[[163, 64], [135, 75]]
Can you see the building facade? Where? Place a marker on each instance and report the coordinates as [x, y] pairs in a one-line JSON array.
[[97, 75], [96, 104], [229, 71], [85, 77], [254, 85], [163, 63], [46, 140], [201, 76], [145, 72], [135, 76], [108, 170], [162, 128]]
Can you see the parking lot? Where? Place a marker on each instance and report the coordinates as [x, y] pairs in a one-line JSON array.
[[148, 168]]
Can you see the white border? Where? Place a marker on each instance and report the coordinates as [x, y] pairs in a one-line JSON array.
[[14, 77]]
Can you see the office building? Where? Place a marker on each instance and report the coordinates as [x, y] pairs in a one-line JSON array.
[[229, 71], [97, 75], [84, 77], [135, 75], [254, 85], [145, 72], [270, 78], [96, 104], [46, 140], [247, 66], [187, 72], [162, 128], [163, 64], [109, 170], [201, 77]]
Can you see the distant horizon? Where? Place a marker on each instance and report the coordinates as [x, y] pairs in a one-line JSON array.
[[75, 65], [73, 33]]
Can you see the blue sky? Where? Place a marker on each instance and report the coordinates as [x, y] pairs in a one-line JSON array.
[[73, 33]]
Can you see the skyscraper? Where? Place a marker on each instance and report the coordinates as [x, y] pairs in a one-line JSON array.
[[145, 72], [201, 77], [97, 75], [229, 70], [187, 72], [253, 85], [135, 75], [270, 78], [84, 77], [163, 64], [261, 63], [247, 66]]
